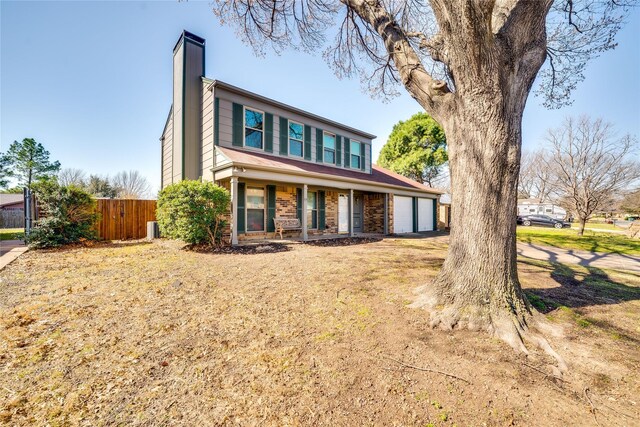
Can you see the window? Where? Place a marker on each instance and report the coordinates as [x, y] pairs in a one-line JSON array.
[[255, 209], [532, 209], [253, 127], [312, 210], [548, 210], [329, 144], [296, 135], [355, 155]]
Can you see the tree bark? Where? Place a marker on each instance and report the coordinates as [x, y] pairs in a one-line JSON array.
[[583, 223]]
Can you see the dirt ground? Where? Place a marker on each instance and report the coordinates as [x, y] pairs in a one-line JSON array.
[[142, 334]]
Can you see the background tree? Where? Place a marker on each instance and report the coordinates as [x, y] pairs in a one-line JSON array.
[[99, 186], [471, 65], [416, 148], [590, 166], [631, 202], [28, 162], [5, 173], [535, 180], [71, 176], [131, 185]]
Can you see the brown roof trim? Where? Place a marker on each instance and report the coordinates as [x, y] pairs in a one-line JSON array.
[[240, 91], [379, 176]]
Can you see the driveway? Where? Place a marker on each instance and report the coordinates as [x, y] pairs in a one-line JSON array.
[[10, 250], [583, 258]]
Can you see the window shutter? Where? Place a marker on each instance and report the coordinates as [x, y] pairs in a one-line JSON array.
[[299, 203], [268, 132], [319, 146], [435, 214], [347, 153], [238, 123], [363, 147], [307, 142], [216, 121], [338, 150], [284, 136], [271, 207], [321, 211], [415, 214], [241, 216]]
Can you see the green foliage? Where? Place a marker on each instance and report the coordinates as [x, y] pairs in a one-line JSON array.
[[12, 190], [192, 211], [27, 161], [69, 215], [416, 148], [101, 187]]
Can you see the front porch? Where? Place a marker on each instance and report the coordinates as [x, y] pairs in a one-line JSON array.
[[323, 212]]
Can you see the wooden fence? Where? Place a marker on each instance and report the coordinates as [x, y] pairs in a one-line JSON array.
[[13, 218], [122, 219]]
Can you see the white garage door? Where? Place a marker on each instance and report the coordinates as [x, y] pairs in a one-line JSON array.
[[425, 214], [402, 214]]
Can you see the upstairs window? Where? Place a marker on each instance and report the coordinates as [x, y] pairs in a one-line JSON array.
[[296, 136], [253, 128], [329, 144], [355, 155]]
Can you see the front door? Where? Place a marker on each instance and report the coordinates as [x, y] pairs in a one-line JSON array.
[[357, 213], [343, 213]]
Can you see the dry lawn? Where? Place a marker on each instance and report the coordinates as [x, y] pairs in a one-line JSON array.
[[142, 334]]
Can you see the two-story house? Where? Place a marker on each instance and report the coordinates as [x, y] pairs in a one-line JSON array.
[[281, 161]]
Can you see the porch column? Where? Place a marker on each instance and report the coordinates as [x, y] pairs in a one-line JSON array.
[[234, 210], [304, 212], [351, 212], [386, 213]]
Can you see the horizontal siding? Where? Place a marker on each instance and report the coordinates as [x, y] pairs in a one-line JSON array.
[[206, 149], [225, 132], [167, 152]]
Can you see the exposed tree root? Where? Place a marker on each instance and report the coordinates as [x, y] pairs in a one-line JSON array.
[[518, 327]]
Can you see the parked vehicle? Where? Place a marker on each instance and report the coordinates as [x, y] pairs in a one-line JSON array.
[[541, 220]]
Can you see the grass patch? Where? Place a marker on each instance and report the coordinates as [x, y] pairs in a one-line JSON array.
[[11, 233], [568, 239]]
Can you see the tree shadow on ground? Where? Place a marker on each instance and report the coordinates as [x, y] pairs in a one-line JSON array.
[[577, 289]]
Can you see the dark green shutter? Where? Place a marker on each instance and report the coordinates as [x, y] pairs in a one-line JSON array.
[[299, 203], [268, 132], [338, 150], [241, 227], [321, 211], [307, 142], [271, 207], [363, 147], [415, 214], [284, 136], [216, 121], [347, 153], [319, 145], [238, 121], [435, 214]]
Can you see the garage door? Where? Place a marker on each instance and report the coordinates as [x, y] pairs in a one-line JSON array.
[[402, 214], [425, 214]]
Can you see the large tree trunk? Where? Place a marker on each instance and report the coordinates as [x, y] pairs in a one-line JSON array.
[[478, 284], [583, 223]]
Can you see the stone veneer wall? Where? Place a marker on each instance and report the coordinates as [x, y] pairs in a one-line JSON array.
[[374, 213], [390, 213]]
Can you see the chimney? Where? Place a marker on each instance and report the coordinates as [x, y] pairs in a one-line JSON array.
[[188, 69]]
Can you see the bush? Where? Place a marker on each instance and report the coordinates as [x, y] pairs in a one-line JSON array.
[[192, 211], [69, 216]]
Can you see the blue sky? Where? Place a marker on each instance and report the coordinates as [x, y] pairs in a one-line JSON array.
[[92, 81]]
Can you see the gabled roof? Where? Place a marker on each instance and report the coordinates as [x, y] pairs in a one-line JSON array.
[[10, 199], [240, 91], [378, 175]]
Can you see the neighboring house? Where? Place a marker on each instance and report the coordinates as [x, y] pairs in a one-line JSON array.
[[536, 207], [12, 202], [280, 161], [444, 212]]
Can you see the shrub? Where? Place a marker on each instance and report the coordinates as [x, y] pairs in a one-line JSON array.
[[69, 216], [192, 211]]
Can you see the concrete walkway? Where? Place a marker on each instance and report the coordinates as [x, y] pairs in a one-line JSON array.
[[583, 258], [10, 250]]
